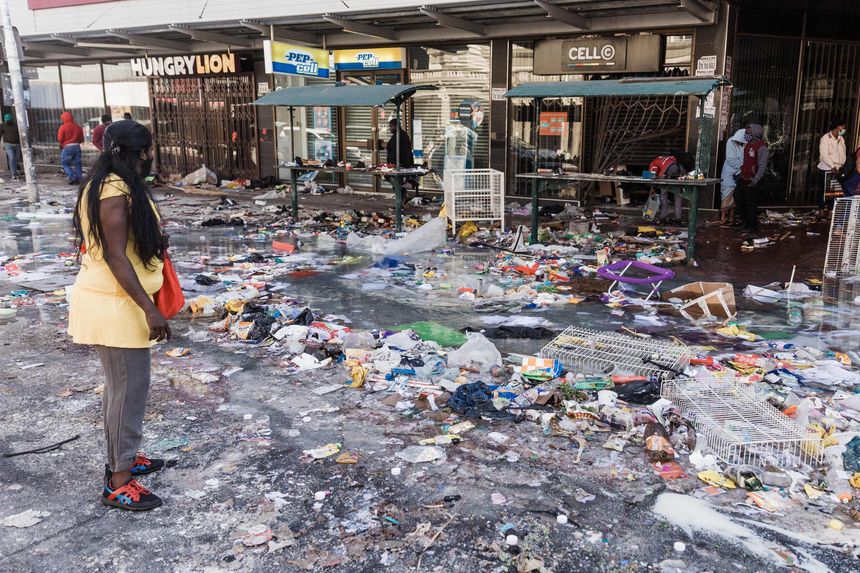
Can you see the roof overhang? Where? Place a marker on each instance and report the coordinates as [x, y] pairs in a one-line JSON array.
[[627, 87], [341, 95], [468, 21]]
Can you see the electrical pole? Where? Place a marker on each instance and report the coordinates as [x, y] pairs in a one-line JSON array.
[[17, 81]]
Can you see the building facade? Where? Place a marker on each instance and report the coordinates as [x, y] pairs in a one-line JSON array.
[[192, 76]]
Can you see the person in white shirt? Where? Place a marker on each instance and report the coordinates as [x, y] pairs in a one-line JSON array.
[[831, 155]]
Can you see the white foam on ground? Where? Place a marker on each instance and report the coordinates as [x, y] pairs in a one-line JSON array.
[[691, 514], [526, 321]]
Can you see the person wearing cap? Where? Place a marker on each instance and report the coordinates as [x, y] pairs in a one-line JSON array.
[[831, 155], [753, 167], [11, 143], [99, 132]]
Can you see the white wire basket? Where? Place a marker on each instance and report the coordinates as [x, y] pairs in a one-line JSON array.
[[601, 352], [843, 246], [740, 427], [474, 195]]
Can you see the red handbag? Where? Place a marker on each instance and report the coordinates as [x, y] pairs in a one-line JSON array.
[[169, 299]]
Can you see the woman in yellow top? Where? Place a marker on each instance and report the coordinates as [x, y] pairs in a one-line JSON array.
[[119, 233]]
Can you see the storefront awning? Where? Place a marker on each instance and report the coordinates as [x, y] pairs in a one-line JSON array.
[[340, 96], [626, 87]]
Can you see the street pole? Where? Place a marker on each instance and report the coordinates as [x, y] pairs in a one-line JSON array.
[[12, 57]]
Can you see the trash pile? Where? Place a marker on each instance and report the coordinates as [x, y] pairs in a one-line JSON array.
[[746, 415], [428, 370]]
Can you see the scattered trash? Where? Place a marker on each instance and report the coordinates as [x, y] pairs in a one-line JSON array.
[[421, 454], [325, 451], [25, 519]]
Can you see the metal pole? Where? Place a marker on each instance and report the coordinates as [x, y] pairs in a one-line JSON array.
[[397, 180], [292, 141], [294, 184], [535, 206], [397, 128], [701, 134], [12, 56]]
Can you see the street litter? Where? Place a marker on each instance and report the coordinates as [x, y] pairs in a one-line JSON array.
[[486, 357], [25, 519], [325, 451]]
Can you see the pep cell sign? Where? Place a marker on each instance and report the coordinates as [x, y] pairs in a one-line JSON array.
[[282, 58]]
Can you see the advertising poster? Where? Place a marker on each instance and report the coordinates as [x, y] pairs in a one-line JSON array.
[[553, 123]]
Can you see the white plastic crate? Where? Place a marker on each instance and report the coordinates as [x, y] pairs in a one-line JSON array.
[[597, 352], [740, 427], [474, 195], [843, 246]]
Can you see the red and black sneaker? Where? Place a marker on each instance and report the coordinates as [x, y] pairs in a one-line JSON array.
[[142, 465], [132, 497]]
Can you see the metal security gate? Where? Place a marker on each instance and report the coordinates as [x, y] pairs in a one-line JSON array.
[[829, 89], [205, 121]]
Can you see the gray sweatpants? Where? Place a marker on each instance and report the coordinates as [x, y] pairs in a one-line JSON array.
[[664, 204], [124, 402]]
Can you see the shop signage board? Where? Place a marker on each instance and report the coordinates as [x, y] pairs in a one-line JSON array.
[[706, 66], [595, 54], [369, 59], [553, 123], [598, 55], [190, 65], [294, 60]]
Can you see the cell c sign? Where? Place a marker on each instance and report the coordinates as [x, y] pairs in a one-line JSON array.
[[595, 54], [612, 54]]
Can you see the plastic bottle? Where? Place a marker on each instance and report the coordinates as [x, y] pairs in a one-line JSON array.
[[839, 485], [795, 314]]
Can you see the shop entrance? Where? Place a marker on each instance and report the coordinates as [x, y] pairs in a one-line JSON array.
[[365, 132], [205, 121]]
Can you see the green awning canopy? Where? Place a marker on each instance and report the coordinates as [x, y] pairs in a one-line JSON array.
[[619, 88], [340, 95]]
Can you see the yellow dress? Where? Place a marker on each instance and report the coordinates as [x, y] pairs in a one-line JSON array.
[[100, 312]]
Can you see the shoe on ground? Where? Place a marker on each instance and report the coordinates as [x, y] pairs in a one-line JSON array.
[[130, 497], [143, 465]]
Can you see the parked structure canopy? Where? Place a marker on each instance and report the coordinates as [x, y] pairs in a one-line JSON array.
[[699, 87]]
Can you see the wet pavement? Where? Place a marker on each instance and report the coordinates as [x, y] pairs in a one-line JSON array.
[[235, 446]]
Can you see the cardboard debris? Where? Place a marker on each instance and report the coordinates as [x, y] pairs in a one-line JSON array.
[[704, 300]]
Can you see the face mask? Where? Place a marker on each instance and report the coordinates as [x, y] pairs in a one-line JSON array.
[[842, 132], [748, 137], [146, 167]]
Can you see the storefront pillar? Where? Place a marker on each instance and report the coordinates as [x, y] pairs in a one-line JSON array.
[[709, 59], [499, 57]]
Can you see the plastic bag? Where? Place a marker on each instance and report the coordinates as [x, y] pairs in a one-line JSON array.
[[435, 332], [427, 238], [639, 391], [202, 175], [477, 350], [652, 207]]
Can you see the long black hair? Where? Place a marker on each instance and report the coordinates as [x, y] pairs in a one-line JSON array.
[[123, 142]]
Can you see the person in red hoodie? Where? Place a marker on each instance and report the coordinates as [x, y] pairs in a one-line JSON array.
[[70, 136]]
